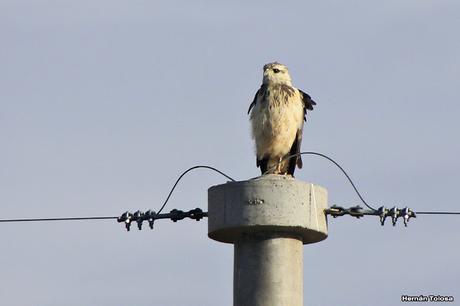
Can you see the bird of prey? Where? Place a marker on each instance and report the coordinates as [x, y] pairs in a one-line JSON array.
[[277, 115]]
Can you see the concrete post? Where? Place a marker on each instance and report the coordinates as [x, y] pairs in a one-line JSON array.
[[268, 219]]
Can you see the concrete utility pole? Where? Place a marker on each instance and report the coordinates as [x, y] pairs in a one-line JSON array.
[[268, 219]]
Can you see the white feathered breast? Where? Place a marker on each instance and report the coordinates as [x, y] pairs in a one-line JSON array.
[[276, 117]]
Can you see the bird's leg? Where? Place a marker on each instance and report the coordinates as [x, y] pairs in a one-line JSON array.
[[278, 167]]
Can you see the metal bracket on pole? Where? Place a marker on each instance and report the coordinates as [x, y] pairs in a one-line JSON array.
[[383, 213], [150, 216]]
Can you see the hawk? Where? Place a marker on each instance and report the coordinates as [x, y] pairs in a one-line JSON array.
[[277, 115]]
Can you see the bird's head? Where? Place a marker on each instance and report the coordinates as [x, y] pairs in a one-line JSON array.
[[276, 73]]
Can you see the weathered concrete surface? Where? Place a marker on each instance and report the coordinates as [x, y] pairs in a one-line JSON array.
[[268, 219], [268, 271], [271, 203]]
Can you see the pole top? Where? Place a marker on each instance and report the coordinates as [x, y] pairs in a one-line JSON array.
[[269, 205]]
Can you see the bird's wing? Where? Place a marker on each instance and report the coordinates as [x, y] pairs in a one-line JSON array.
[[297, 144], [253, 102], [307, 105], [263, 162]]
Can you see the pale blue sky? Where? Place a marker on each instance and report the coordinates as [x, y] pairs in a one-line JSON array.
[[104, 103]]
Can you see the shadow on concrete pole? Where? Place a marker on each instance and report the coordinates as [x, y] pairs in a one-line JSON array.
[[268, 219]]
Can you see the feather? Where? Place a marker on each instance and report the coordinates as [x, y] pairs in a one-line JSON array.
[[253, 102]]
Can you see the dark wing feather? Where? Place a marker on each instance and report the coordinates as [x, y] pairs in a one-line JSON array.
[[262, 163], [307, 105], [297, 160], [253, 102], [297, 144]]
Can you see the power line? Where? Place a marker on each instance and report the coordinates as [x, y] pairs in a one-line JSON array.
[[127, 218], [158, 215], [331, 160], [437, 213], [56, 219], [112, 217], [184, 173], [394, 213], [334, 210]]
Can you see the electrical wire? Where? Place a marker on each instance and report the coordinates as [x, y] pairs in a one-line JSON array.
[[231, 179], [56, 219], [437, 213], [110, 217], [184, 173], [331, 160], [354, 186]]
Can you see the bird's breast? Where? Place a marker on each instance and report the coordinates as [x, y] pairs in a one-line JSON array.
[[276, 118]]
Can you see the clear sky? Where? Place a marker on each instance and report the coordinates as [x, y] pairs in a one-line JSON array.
[[104, 103]]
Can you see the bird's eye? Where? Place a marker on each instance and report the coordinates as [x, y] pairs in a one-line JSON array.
[[276, 70]]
